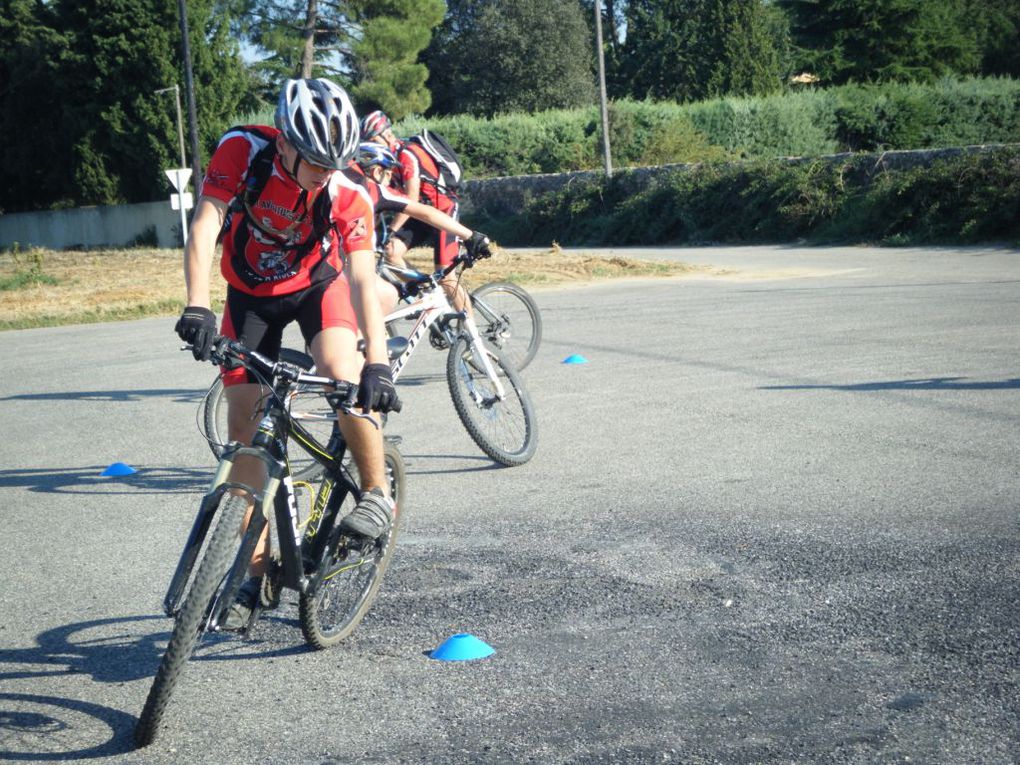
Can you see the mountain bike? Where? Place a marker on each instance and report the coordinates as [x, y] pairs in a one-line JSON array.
[[337, 577], [487, 392]]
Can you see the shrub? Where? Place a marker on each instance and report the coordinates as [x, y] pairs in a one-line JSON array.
[[967, 198]]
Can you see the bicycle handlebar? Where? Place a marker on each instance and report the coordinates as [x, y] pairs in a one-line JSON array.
[[226, 351], [418, 280]]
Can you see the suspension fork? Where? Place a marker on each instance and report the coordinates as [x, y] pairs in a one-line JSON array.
[[207, 510], [479, 351]]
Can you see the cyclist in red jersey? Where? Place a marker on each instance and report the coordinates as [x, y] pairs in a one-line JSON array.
[[297, 246], [412, 176], [377, 164]]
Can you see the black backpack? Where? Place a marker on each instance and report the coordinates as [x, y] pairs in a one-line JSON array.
[[446, 159]]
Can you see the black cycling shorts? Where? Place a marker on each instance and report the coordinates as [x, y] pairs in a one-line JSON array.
[[258, 322]]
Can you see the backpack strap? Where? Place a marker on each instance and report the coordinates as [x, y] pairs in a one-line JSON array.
[[259, 172]]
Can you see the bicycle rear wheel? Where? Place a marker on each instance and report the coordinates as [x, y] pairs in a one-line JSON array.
[[509, 321], [307, 405], [507, 430], [334, 610], [190, 622]]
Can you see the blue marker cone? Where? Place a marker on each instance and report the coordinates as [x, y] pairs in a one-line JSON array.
[[118, 469], [462, 647], [575, 358]]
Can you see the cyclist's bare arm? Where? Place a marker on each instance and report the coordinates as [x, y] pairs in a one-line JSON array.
[[437, 219], [362, 276], [198, 254]]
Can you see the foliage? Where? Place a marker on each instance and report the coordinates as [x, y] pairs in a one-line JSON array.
[[687, 50], [969, 198], [82, 121], [492, 57], [393, 33], [882, 40], [806, 123]]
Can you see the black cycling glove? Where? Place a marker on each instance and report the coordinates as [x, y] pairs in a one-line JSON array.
[[477, 247], [197, 327], [376, 390]]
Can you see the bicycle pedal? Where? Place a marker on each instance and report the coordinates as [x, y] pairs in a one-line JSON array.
[[395, 440]]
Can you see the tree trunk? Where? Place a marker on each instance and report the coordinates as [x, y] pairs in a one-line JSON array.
[[308, 53]]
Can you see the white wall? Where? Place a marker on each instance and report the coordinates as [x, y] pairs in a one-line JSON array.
[[84, 227]]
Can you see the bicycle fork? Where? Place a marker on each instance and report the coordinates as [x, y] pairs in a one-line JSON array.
[[277, 472], [479, 350]]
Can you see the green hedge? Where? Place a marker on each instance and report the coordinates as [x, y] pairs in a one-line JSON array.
[[967, 198], [806, 123]]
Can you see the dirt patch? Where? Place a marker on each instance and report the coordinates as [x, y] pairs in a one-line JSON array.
[[107, 285]]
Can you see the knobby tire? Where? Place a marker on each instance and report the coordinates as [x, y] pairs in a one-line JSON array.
[[519, 342], [514, 417], [319, 630]]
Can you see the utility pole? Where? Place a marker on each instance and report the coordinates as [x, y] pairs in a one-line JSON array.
[[607, 156], [189, 88]]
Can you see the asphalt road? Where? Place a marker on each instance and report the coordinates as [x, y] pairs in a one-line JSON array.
[[773, 519]]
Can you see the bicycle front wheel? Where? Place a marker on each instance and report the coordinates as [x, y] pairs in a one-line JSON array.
[[508, 321], [190, 622], [506, 430], [351, 583], [308, 406]]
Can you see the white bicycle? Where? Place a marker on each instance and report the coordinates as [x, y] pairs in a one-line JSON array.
[[487, 391]]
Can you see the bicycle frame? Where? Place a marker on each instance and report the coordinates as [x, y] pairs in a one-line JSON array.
[[430, 308], [270, 448]]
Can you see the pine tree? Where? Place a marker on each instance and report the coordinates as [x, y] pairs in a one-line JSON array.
[[880, 40], [82, 121], [693, 49], [393, 34]]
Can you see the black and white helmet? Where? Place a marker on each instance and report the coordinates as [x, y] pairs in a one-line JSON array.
[[317, 117]]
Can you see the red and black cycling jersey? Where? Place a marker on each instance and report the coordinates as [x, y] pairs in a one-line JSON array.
[[287, 238], [415, 162]]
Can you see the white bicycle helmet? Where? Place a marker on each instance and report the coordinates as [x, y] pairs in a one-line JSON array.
[[317, 117]]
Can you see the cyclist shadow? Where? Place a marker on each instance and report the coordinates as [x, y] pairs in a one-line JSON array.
[[89, 480], [420, 379], [115, 650], [422, 464]]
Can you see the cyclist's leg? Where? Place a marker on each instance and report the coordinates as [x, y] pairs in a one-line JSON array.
[[330, 328], [399, 243], [249, 319], [387, 295], [445, 249]]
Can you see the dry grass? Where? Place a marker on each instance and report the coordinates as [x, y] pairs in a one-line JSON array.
[[108, 285]]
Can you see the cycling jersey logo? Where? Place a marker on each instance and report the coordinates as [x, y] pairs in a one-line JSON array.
[[273, 265]]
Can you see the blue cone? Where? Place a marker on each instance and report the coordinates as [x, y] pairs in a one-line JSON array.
[[118, 469], [462, 648], [575, 358]]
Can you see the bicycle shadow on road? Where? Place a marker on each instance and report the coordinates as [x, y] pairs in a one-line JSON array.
[[89, 480], [114, 650], [107, 650], [39, 723], [928, 383], [177, 395]]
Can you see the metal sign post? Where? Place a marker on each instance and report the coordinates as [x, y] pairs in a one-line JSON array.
[[183, 199]]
